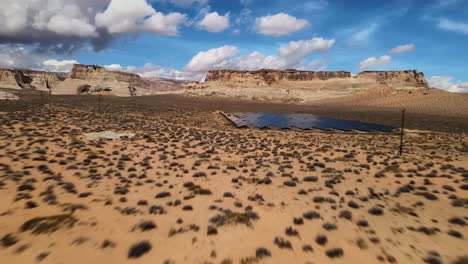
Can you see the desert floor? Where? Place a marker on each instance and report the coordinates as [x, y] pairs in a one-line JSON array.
[[190, 188]]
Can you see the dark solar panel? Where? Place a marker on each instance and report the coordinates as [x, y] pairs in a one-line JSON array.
[[303, 121]]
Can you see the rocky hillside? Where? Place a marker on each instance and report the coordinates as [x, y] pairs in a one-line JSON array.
[[27, 79], [263, 85], [157, 85], [304, 86], [88, 79]]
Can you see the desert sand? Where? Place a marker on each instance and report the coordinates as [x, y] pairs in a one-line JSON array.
[[190, 188]]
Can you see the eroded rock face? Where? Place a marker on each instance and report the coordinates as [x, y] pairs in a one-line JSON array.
[[88, 79], [304, 86], [28, 79], [271, 76], [405, 78], [93, 79], [90, 72]]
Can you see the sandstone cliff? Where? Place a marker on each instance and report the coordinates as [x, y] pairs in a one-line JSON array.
[[91, 79], [304, 86], [27, 79], [88, 79]]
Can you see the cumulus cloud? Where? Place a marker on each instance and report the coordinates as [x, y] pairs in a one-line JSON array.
[[206, 60], [402, 48], [58, 66], [279, 25], [138, 17], [454, 26], [292, 55], [113, 67], [56, 26], [150, 70], [61, 27], [374, 62], [213, 22], [446, 83]]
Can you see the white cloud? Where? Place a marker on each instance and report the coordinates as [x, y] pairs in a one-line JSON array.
[[289, 56], [58, 66], [205, 61], [138, 17], [374, 62], [292, 55], [71, 22], [454, 26], [402, 48], [113, 67], [301, 48], [161, 24], [13, 17], [65, 26], [152, 70], [120, 17], [64, 17], [279, 25], [215, 23], [445, 83]]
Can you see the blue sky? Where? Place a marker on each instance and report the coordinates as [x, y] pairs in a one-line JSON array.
[[432, 36]]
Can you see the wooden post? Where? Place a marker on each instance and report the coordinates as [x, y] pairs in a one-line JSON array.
[[50, 97], [402, 130], [99, 99]]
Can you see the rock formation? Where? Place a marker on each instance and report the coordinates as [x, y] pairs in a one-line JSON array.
[[89, 79], [269, 77], [27, 79], [268, 85], [303, 86]]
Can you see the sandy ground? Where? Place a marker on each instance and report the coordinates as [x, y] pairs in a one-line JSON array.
[[189, 188]]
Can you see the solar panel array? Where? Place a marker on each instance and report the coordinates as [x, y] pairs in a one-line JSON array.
[[303, 121]]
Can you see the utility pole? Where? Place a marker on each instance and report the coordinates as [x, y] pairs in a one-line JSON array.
[[402, 130]]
